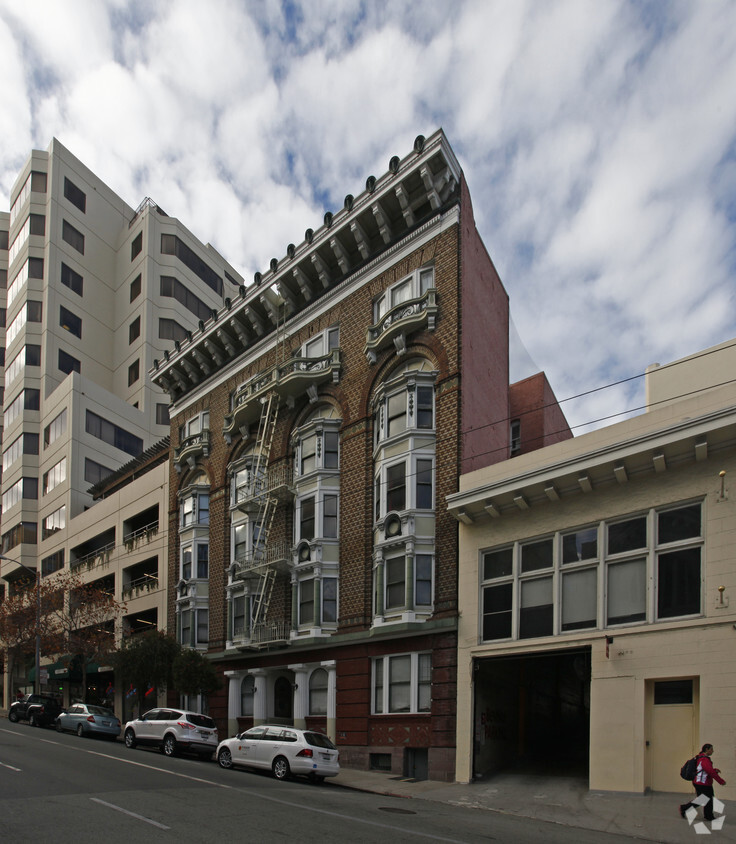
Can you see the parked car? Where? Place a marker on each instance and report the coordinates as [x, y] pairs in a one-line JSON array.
[[283, 751], [88, 720], [38, 710], [172, 731]]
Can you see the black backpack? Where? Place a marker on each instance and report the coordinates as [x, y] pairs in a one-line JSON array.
[[689, 769]]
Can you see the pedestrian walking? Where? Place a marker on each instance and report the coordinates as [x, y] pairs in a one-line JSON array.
[[703, 782]]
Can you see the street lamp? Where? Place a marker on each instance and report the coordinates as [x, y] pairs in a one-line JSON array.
[[37, 575]]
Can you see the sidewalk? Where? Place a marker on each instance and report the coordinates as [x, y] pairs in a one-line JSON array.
[[561, 800]]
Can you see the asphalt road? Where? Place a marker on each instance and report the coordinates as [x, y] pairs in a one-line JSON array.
[[61, 788]]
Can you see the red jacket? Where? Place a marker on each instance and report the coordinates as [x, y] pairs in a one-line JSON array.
[[706, 773]]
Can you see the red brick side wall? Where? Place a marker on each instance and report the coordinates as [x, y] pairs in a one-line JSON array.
[[534, 404], [483, 333]]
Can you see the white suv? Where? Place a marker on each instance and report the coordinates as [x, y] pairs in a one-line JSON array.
[[173, 730]]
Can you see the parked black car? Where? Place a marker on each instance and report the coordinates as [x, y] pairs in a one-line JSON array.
[[38, 710]]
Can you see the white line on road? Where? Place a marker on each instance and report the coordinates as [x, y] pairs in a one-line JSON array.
[[9, 766], [131, 814], [291, 804]]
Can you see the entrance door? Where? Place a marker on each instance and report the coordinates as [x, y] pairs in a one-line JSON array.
[[283, 700], [672, 733]]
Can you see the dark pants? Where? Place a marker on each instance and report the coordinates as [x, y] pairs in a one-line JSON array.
[[708, 808]]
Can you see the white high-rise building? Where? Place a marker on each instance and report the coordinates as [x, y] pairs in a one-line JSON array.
[[93, 292]]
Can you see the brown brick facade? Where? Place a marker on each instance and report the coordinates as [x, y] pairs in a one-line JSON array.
[[467, 358]]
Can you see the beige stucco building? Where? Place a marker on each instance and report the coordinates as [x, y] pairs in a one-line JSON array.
[[92, 293], [597, 582]]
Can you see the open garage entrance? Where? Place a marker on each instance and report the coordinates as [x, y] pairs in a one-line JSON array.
[[532, 713]]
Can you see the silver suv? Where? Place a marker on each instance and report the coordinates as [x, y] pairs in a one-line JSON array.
[[172, 731]]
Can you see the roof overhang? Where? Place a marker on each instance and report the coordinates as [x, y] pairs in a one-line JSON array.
[[413, 190]]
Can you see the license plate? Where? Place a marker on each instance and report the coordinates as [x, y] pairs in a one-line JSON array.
[[105, 723], [326, 756], [204, 734]]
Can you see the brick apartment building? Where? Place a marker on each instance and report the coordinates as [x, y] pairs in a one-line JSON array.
[[320, 419]]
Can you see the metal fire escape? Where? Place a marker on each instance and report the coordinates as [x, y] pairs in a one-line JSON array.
[[267, 504]]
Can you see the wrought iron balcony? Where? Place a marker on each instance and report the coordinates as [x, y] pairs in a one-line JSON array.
[[288, 380], [278, 482], [402, 320], [270, 633], [191, 449], [277, 554]]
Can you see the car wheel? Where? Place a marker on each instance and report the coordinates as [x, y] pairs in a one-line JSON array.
[[80, 730], [130, 739], [13, 716], [58, 725], [225, 758], [316, 779], [280, 768], [33, 721], [169, 747]]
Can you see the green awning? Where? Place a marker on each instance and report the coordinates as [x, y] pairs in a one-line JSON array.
[[56, 670], [60, 669]]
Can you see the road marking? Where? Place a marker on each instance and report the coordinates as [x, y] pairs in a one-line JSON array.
[[9, 766], [131, 814], [290, 803]]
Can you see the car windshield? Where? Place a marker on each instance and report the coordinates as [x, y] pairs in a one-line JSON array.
[[200, 720], [318, 740], [99, 710]]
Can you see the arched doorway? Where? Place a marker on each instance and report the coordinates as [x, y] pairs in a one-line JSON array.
[[283, 700]]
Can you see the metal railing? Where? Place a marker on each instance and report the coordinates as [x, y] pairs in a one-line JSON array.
[[140, 584], [135, 536], [89, 559], [274, 552], [269, 632]]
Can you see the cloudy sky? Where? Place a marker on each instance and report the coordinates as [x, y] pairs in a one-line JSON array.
[[598, 140]]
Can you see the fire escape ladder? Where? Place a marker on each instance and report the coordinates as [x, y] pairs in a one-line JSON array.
[[266, 509]]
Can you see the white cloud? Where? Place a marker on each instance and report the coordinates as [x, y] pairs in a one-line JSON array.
[[597, 139]]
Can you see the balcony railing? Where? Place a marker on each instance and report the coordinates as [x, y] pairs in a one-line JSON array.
[[278, 480], [274, 554], [289, 379], [141, 584], [134, 538], [192, 448], [403, 319], [270, 633], [100, 556]]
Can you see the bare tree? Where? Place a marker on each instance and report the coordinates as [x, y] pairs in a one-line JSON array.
[[18, 627], [76, 620], [81, 619]]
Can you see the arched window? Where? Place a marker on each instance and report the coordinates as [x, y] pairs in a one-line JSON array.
[[318, 692], [247, 692]]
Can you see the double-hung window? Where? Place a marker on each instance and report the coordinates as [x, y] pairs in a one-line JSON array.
[[402, 683]]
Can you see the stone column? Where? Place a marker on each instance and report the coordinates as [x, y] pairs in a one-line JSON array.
[[331, 667], [260, 696], [235, 678], [301, 694]]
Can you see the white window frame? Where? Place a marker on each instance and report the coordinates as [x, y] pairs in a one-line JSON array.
[[603, 562], [418, 688], [411, 287]]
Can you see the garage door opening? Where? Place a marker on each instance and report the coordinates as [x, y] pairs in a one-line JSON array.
[[532, 714]]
